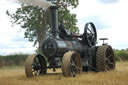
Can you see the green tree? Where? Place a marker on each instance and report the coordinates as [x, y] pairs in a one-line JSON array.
[[36, 21]]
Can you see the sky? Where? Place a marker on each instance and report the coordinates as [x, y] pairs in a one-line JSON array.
[[109, 16]]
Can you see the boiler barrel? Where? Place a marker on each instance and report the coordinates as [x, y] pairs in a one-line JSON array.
[[57, 47]]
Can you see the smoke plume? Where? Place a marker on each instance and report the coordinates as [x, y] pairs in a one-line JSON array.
[[42, 3]]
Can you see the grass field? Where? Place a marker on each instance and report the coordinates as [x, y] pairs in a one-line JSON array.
[[16, 76]]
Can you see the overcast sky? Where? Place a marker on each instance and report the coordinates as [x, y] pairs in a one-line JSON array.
[[109, 16]]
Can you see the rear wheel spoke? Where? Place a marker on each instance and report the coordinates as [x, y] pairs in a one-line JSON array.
[[107, 67], [109, 56]]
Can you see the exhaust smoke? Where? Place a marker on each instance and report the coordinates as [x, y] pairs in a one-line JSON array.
[[42, 3]]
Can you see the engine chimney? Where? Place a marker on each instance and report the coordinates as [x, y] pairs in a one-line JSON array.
[[54, 20]]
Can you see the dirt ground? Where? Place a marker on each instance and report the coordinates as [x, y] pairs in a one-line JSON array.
[[16, 76]]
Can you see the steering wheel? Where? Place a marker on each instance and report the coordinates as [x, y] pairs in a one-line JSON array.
[[90, 34]]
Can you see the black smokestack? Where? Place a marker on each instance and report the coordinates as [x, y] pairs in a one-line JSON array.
[[54, 20]]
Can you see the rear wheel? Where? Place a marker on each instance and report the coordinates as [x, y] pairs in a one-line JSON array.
[[71, 64], [105, 60], [35, 65]]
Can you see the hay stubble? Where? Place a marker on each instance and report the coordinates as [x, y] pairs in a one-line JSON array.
[[17, 77]]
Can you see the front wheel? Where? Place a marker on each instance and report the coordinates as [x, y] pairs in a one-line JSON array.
[[35, 65], [71, 64]]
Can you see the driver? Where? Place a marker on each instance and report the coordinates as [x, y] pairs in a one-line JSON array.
[[63, 32]]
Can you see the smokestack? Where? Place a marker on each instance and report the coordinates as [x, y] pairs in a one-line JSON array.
[[54, 20]]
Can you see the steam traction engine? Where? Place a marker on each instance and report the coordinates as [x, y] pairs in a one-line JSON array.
[[70, 52]]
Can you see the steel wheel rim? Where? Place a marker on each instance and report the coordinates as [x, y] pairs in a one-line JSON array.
[[75, 68], [109, 59], [36, 67]]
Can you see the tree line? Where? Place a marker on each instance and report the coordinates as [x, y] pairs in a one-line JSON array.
[[19, 59]]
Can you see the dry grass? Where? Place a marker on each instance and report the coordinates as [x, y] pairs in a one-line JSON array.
[[17, 77]]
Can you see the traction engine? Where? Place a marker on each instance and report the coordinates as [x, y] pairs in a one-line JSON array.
[[71, 52]]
